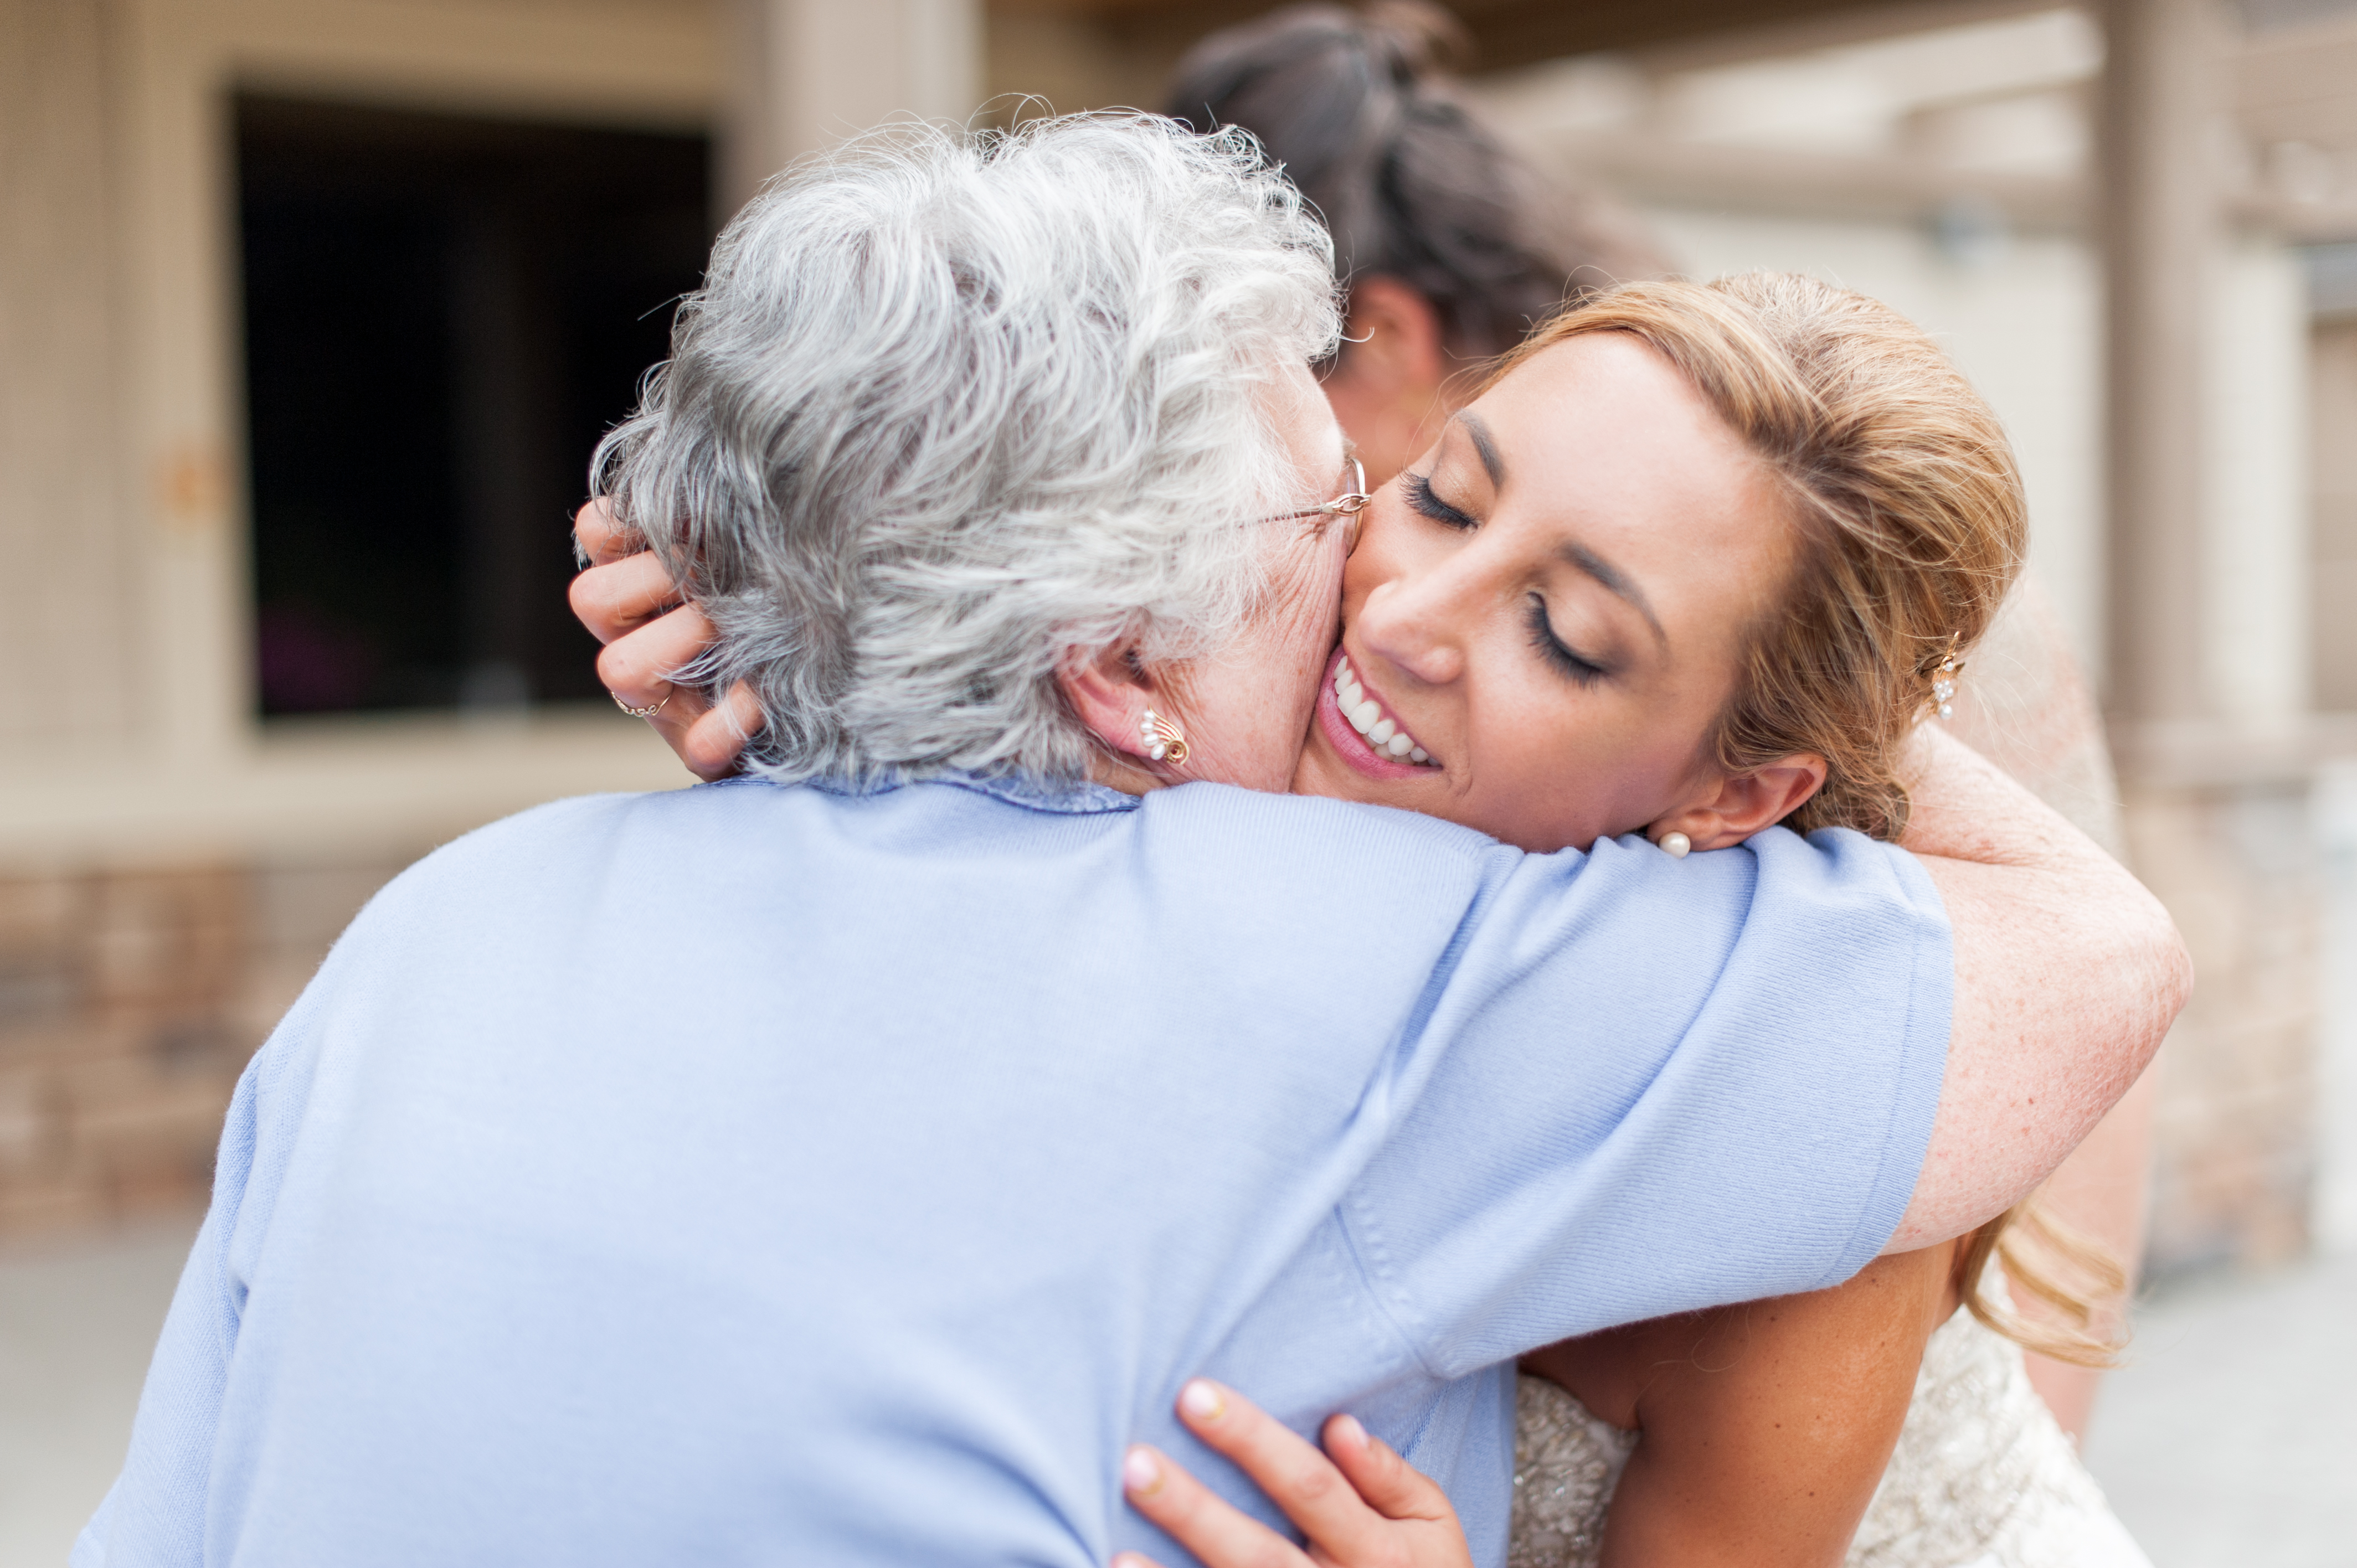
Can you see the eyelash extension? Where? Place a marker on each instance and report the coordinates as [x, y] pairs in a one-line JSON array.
[[1581, 671], [1420, 496]]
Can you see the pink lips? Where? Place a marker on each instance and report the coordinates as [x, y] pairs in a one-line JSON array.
[[1350, 744]]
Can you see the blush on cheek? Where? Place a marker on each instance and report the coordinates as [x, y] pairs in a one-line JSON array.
[[1574, 784]]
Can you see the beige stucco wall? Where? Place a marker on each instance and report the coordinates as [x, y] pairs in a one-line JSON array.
[[121, 494]]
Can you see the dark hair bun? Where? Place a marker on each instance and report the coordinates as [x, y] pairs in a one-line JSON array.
[[1358, 107]]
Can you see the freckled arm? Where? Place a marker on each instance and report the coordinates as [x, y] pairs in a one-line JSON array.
[[2068, 973]]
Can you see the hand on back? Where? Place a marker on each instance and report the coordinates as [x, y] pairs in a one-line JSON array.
[[631, 606], [1358, 1504]]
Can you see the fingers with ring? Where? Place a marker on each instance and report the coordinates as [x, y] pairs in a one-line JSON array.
[[648, 712]]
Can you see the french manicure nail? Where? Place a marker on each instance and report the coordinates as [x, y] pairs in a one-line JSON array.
[[1201, 1401], [1348, 1429], [1139, 1474]]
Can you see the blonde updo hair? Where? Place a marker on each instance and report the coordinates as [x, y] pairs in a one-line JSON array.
[[1910, 526], [1908, 517]]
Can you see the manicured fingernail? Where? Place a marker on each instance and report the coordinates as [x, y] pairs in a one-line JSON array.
[[1201, 1401], [1347, 1430], [1139, 1473]]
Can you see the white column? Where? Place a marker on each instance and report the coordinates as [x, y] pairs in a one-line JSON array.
[[2161, 221], [2258, 657], [2206, 687], [182, 424], [810, 72]]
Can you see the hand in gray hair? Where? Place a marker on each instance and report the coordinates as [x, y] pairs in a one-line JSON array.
[[949, 407]]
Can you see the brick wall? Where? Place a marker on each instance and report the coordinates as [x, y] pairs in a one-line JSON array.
[[130, 1001], [2234, 1126]]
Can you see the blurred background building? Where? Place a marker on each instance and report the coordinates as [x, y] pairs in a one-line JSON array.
[[310, 311]]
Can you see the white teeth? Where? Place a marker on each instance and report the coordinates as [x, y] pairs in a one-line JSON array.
[[1366, 715]]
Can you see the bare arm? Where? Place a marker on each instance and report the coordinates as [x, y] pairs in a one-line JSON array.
[[2068, 973], [1767, 1425]]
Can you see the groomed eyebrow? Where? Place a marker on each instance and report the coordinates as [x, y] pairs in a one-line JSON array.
[[1615, 582], [1484, 444]]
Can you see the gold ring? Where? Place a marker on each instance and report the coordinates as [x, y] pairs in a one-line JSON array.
[[650, 711]]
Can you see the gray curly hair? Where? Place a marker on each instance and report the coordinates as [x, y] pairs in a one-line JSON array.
[[950, 406]]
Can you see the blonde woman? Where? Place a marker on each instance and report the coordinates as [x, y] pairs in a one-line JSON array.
[[1753, 1435]]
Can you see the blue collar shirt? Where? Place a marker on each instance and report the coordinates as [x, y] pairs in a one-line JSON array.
[[780, 1175]]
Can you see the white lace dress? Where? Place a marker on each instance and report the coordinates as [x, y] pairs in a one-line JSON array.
[[1981, 1477]]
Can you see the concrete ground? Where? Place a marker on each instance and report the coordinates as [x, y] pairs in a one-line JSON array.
[[2230, 1442], [75, 1326]]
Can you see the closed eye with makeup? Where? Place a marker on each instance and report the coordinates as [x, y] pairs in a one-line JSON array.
[[1551, 644]]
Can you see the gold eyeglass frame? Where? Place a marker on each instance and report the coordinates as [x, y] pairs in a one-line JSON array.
[[1349, 504]]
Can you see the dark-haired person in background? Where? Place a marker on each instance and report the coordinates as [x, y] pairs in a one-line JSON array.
[[1452, 247]]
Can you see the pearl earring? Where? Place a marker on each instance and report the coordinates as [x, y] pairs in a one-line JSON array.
[[1945, 687], [1676, 846], [1163, 741]]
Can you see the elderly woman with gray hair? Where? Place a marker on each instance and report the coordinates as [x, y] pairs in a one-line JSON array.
[[843, 1163]]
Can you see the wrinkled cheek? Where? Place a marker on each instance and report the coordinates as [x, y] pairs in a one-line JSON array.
[[1271, 675], [1305, 606]]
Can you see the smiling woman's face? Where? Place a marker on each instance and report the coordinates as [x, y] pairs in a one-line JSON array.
[[1549, 607]]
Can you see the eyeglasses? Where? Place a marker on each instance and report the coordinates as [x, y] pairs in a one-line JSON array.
[[1349, 504]]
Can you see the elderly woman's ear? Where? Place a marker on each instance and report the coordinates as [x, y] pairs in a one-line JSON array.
[[1117, 695]]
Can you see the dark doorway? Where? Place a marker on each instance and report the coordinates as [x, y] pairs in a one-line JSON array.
[[442, 316]]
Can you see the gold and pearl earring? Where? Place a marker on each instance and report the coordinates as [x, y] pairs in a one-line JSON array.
[[1163, 741]]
